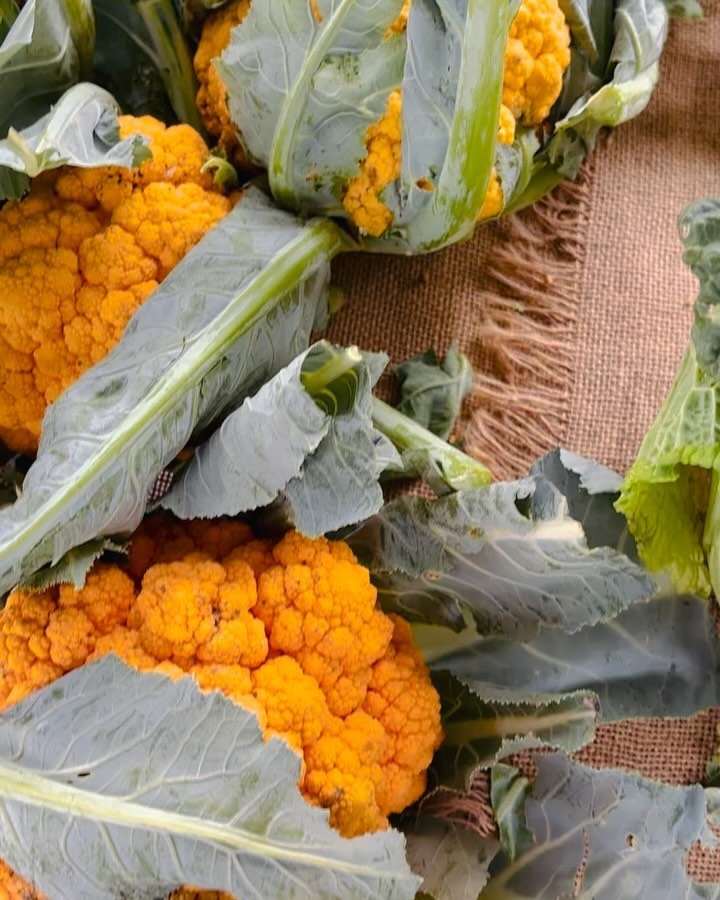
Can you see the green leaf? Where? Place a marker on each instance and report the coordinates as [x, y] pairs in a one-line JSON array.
[[339, 483], [47, 49], [236, 310], [140, 784], [482, 728], [452, 861], [603, 834], [509, 790], [143, 58], [81, 130], [432, 392], [591, 491], [74, 566], [684, 9], [424, 455], [666, 493], [306, 435], [640, 33], [507, 555], [660, 658]]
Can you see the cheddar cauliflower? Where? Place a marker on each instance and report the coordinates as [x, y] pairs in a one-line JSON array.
[[289, 629], [536, 58], [80, 253]]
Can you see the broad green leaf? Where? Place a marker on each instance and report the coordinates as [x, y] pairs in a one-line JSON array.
[[47, 48], [432, 391], [452, 861], [660, 658], [507, 555], [81, 130], [667, 492], [603, 834], [236, 310], [481, 727], [425, 455], [143, 58], [74, 566], [315, 416], [117, 783], [591, 491]]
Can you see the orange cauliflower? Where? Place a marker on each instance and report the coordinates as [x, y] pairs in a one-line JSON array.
[[536, 58], [289, 629], [80, 253]]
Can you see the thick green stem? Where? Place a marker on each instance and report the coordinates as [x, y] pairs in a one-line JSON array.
[[461, 189], [458, 470]]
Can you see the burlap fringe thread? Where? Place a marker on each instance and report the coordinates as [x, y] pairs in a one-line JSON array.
[[518, 407]]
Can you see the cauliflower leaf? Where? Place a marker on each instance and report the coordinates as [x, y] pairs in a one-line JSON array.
[[181, 786], [598, 833]]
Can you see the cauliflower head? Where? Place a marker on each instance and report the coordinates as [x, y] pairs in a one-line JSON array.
[[290, 629], [536, 58], [80, 253]]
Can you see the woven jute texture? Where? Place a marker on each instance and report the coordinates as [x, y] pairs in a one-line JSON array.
[[575, 316]]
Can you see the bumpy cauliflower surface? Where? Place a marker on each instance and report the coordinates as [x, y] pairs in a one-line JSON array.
[[536, 57], [290, 629], [80, 253]]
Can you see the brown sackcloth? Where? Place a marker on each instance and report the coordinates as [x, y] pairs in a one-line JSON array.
[[575, 316]]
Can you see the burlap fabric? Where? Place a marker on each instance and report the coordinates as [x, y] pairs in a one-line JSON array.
[[575, 316]]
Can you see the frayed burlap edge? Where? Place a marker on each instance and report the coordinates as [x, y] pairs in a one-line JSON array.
[[519, 404]]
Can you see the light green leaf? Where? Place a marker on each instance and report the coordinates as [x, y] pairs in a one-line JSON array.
[[236, 310], [81, 130], [482, 728], [432, 391], [667, 491], [143, 58], [47, 48], [74, 566], [114, 782], [640, 34], [452, 861], [603, 834], [314, 416], [507, 555], [424, 455], [660, 658]]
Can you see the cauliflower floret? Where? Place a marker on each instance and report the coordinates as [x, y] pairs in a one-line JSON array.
[[379, 168], [402, 698], [13, 887], [81, 253], [294, 705], [319, 606], [536, 57], [162, 538], [344, 772], [494, 198], [211, 97]]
